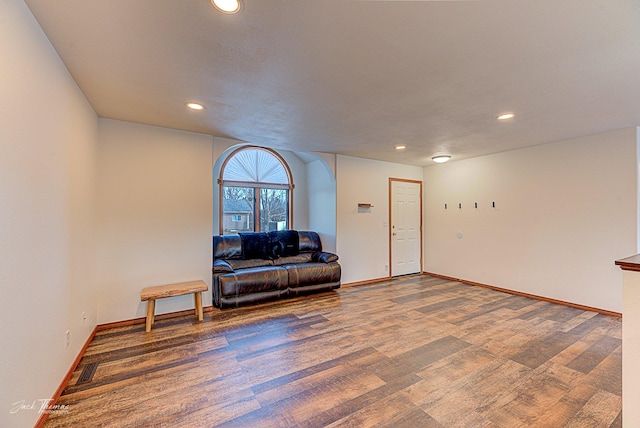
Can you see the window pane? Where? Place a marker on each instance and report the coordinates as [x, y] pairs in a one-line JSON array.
[[255, 166], [255, 188], [274, 209], [237, 209]]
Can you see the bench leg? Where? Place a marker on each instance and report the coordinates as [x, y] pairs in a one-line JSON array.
[[151, 308], [198, 298]]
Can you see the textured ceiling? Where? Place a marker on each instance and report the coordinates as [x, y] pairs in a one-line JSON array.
[[358, 77]]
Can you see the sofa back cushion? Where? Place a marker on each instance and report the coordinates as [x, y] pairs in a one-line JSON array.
[[309, 242], [285, 243], [231, 246], [227, 247], [257, 245]]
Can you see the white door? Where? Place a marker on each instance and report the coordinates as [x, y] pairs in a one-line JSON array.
[[406, 227]]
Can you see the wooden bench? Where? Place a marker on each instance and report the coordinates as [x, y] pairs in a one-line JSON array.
[[150, 294]]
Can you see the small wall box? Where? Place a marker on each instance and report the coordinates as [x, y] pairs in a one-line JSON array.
[[364, 208]]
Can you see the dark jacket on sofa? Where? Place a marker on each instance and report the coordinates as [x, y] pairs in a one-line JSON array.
[[260, 266]]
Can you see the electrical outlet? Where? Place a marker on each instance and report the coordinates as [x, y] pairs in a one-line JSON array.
[[386, 268], [68, 335]]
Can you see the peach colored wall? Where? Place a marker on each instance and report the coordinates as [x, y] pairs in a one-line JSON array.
[[48, 144], [564, 212], [363, 237], [154, 215]]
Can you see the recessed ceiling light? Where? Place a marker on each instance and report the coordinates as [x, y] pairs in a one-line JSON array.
[[506, 116], [227, 6], [441, 158], [195, 106], [401, 147]]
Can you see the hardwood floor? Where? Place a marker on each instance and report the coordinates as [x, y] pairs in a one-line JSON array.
[[417, 351]]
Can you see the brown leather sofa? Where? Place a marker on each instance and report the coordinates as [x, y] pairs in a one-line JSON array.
[[256, 267]]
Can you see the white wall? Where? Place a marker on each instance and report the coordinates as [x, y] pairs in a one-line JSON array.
[[322, 202], [363, 237], [300, 192], [564, 213], [48, 137], [154, 216]]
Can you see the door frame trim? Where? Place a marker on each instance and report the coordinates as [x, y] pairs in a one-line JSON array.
[[391, 180]]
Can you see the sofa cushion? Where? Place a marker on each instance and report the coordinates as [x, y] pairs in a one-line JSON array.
[[244, 264], [256, 245], [253, 298], [312, 273], [309, 242], [221, 266], [284, 243], [300, 258], [227, 247], [253, 280], [324, 257]]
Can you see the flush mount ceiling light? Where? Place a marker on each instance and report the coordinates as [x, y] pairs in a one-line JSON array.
[[506, 116], [195, 106], [401, 147], [227, 6], [441, 158]]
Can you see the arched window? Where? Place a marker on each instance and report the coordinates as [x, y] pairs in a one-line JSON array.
[[255, 183]]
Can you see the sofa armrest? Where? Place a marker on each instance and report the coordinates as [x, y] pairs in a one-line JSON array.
[[221, 266], [324, 257]]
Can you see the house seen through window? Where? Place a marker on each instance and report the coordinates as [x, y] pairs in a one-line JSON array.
[[255, 192]]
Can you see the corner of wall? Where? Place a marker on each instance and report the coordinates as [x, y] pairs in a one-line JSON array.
[[637, 130]]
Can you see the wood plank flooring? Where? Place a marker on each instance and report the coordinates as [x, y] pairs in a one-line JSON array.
[[416, 351]]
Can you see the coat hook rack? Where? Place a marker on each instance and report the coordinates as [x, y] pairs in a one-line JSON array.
[[363, 205]]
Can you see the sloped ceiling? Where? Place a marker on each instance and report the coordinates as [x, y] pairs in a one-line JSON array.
[[358, 77]]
